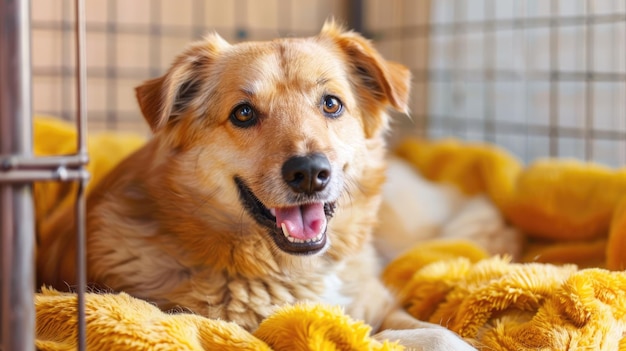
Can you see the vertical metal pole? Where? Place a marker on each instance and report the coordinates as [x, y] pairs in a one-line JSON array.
[[555, 80], [623, 141], [81, 126], [155, 41], [489, 72], [16, 206], [112, 73], [355, 15], [588, 40]]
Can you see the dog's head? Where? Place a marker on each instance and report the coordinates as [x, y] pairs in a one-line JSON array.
[[281, 131]]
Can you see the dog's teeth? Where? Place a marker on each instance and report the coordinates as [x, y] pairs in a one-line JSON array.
[[296, 240], [273, 211], [285, 231], [289, 237]]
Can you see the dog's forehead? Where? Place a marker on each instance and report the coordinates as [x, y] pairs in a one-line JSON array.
[[298, 63]]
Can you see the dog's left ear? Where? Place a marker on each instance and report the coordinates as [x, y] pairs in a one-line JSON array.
[[378, 82], [163, 99]]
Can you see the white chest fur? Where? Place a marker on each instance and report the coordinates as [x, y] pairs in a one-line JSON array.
[[332, 291]]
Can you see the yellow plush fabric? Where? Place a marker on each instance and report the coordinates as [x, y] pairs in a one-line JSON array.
[[568, 209], [493, 303], [616, 246], [501, 305], [474, 168], [121, 322]]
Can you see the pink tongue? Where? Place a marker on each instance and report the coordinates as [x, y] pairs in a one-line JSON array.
[[302, 222]]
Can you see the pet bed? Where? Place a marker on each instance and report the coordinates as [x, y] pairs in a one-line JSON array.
[[572, 213]]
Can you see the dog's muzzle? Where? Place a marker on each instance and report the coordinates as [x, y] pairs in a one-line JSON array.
[[298, 228]]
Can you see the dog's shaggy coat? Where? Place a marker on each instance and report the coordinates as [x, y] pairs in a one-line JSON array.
[[259, 188]]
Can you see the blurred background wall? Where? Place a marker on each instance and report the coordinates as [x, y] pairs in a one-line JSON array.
[[538, 77]]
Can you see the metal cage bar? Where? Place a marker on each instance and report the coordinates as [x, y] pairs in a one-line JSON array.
[[16, 204], [81, 147], [19, 169]]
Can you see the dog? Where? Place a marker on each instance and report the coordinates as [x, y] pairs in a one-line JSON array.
[[259, 188]]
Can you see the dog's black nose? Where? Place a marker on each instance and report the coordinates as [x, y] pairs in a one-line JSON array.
[[307, 174]]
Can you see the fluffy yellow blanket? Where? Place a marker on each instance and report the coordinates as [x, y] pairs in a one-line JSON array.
[[121, 322], [501, 305], [571, 211], [493, 303]]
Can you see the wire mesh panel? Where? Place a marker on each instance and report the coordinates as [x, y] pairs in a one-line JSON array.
[[131, 41], [541, 78]]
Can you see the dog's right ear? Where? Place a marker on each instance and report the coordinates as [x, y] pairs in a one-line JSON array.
[[163, 99]]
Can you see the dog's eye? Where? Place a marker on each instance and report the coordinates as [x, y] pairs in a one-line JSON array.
[[243, 116], [332, 106]]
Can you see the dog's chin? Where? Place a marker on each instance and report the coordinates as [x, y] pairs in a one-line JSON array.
[[313, 244]]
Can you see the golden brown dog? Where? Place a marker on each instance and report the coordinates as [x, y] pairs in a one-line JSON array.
[[259, 188]]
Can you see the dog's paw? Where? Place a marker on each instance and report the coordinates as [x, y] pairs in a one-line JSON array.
[[426, 339]]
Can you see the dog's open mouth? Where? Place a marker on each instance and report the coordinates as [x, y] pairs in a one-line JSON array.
[[299, 229]]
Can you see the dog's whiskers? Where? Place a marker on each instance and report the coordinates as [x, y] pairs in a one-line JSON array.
[[240, 222], [347, 189], [203, 201]]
